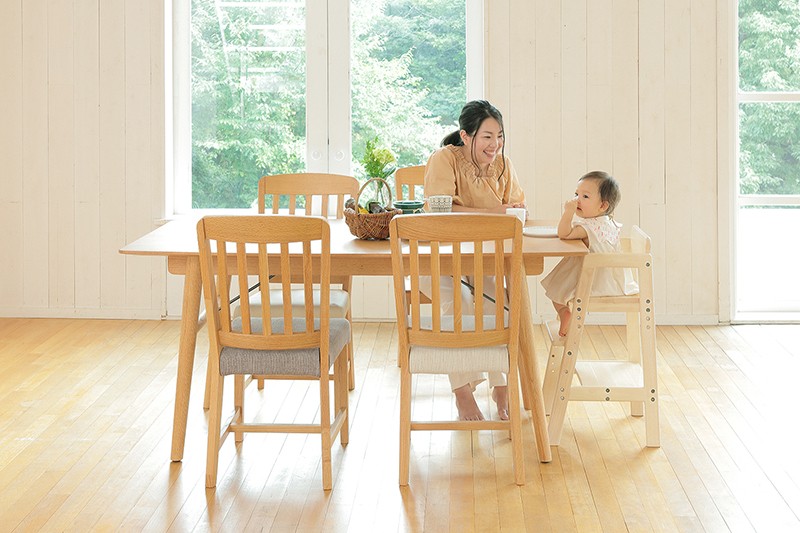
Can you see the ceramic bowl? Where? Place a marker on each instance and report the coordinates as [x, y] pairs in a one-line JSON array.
[[409, 206]]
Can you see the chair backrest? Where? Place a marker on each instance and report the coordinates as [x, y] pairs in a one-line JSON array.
[[453, 245], [308, 185], [235, 247], [411, 177]]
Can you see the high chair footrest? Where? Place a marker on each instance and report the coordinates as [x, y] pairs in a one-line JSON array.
[[611, 374]]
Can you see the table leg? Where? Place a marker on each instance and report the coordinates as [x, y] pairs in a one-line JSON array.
[[192, 288], [529, 374]]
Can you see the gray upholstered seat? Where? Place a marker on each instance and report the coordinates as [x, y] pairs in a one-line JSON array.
[[303, 362]]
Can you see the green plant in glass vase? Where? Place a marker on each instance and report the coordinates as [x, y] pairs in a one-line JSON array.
[[379, 162]]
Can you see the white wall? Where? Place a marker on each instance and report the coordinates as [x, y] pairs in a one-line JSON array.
[[82, 156], [640, 89]]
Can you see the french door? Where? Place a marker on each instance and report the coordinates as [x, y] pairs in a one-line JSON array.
[[302, 85]]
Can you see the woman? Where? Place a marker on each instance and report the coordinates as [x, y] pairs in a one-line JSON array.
[[471, 166]]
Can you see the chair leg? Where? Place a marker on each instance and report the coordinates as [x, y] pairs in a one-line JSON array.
[[214, 420], [341, 399], [351, 365], [207, 393], [634, 345], [238, 404], [516, 427], [405, 422], [325, 431]]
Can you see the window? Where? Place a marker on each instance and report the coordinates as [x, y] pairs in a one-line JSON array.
[[293, 86], [769, 156]]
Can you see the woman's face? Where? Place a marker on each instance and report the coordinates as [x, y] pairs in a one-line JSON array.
[[589, 203], [488, 142]]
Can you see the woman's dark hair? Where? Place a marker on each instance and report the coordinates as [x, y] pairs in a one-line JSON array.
[[472, 116], [607, 187]]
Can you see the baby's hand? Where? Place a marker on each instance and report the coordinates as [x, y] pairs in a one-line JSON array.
[[571, 205]]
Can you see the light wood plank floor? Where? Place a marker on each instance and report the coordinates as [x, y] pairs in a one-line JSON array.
[[86, 414]]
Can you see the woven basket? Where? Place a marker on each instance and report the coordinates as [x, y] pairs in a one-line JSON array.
[[371, 226]]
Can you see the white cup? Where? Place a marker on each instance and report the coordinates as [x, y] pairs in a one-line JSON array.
[[441, 203], [520, 212]]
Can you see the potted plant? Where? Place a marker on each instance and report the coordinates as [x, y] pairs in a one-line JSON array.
[[378, 161]]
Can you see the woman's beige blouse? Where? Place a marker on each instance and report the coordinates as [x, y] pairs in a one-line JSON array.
[[449, 172]]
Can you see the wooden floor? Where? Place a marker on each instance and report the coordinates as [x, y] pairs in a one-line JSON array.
[[86, 414]]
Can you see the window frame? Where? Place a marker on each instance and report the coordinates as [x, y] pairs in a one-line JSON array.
[[327, 148]]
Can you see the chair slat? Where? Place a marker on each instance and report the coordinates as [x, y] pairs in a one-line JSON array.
[[286, 287], [223, 281], [241, 274], [436, 289], [308, 287], [499, 277], [263, 280], [457, 270], [479, 290]]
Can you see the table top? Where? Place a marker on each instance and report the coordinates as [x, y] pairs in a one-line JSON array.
[[178, 237]]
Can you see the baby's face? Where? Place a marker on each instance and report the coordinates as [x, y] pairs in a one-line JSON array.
[[588, 196]]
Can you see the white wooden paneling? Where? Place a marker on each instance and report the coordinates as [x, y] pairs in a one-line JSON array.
[[573, 95], [726, 151], [625, 106], [35, 169], [139, 193], [548, 104], [112, 154], [520, 115], [61, 153], [599, 75], [157, 148], [651, 102], [87, 155], [497, 59], [677, 124], [632, 87], [11, 184], [704, 250]]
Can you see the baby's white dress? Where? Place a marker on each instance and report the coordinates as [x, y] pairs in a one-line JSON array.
[[561, 282]]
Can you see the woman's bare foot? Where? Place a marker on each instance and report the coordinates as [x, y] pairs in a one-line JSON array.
[[564, 316], [465, 403], [500, 397]]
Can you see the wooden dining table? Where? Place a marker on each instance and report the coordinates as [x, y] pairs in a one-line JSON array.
[[177, 241]]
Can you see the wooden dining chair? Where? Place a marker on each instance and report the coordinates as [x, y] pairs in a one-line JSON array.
[[262, 342], [631, 379], [452, 245], [411, 178], [299, 192], [331, 191]]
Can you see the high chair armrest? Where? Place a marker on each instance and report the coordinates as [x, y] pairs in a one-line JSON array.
[[617, 260]]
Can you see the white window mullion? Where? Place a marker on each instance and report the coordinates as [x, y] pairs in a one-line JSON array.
[[316, 86], [338, 93]]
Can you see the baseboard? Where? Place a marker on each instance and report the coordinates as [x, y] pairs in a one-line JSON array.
[[50, 312], [610, 319]]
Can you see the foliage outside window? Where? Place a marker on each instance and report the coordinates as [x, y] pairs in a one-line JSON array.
[[769, 62], [248, 88]]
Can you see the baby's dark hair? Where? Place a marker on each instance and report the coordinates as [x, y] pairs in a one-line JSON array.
[[607, 186]]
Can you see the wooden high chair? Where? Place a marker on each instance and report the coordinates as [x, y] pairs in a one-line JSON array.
[[633, 380]]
